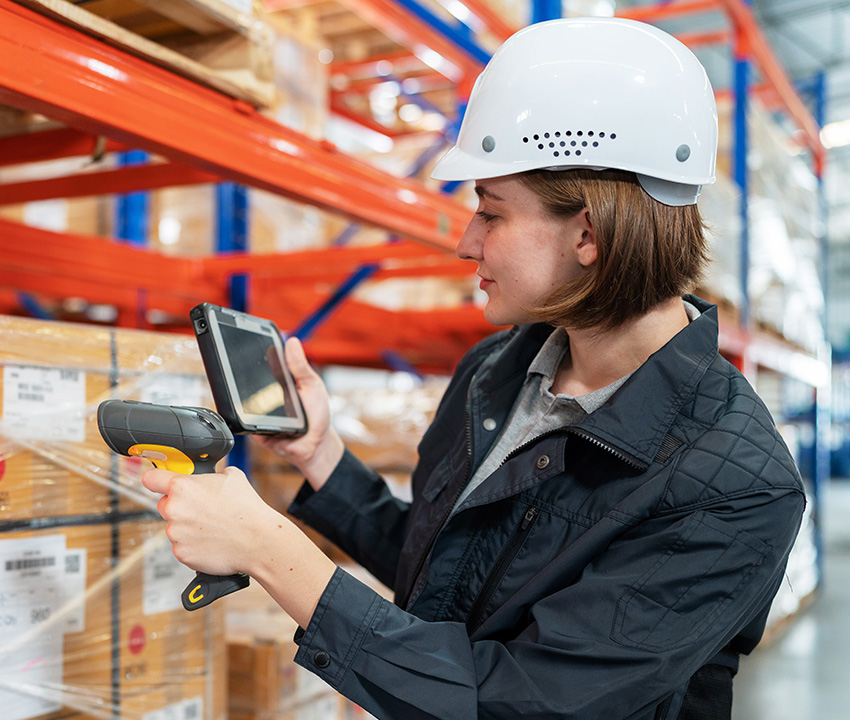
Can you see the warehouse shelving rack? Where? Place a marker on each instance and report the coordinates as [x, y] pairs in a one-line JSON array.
[[102, 92], [111, 101]]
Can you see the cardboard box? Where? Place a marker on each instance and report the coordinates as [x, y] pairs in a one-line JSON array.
[[53, 376], [57, 613], [90, 593], [71, 608]]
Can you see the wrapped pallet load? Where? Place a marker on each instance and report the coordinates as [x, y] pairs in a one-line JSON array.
[[90, 599]]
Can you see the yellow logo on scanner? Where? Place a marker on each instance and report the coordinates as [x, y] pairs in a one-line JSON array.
[[192, 597], [165, 457]]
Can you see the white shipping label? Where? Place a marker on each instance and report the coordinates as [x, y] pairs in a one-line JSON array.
[[44, 403], [165, 389], [31, 575], [164, 577], [191, 709], [47, 214]]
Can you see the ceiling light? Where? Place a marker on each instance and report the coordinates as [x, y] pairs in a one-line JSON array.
[[836, 134], [410, 112]]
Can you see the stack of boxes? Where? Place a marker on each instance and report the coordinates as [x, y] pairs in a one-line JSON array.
[[89, 588]]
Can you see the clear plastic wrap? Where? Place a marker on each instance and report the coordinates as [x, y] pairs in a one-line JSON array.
[[89, 600], [90, 604]]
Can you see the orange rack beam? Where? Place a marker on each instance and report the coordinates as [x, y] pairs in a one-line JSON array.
[[426, 43], [104, 182], [52, 145], [752, 42], [286, 288], [98, 89], [749, 41]]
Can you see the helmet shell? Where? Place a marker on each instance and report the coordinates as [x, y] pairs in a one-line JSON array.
[[591, 93]]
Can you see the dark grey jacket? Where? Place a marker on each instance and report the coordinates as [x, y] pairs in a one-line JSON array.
[[591, 576]]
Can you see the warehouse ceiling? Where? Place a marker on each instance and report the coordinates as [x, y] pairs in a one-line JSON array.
[[808, 37]]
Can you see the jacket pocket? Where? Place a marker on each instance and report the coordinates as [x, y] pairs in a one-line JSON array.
[[701, 574], [506, 557]]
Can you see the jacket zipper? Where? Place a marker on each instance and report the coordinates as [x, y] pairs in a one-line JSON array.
[[502, 564], [584, 435]]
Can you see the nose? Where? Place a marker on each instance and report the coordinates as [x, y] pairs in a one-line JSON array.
[[469, 245]]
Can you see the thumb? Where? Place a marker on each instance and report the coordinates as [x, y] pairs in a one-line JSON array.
[[296, 361]]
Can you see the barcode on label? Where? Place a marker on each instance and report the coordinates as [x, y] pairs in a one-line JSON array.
[[72, 564], [35, 397], [30, 563]]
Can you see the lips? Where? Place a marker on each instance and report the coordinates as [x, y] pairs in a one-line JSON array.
[[485, 283]]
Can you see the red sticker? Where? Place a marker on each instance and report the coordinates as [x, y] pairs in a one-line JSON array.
[[2, 467], [137, 639]]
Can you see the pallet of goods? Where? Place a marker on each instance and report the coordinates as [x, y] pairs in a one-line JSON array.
[[224, 44], [90, 590]]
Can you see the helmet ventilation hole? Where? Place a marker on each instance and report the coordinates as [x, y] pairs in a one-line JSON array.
[[578, 139]]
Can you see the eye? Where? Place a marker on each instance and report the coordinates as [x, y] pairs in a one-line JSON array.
[[486, 217]]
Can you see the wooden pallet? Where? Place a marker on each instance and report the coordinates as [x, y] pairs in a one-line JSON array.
[[224, 45]]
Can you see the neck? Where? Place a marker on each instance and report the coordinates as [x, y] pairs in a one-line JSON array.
[[596, 359]]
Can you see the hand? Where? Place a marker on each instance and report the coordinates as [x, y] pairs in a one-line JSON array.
[[217, 524], [319, 450], [212, 520]]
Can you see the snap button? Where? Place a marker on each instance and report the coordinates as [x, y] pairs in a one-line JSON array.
[[489, 424], [322, 659], [542, 461]]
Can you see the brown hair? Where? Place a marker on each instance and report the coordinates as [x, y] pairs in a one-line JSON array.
[[647, 251]]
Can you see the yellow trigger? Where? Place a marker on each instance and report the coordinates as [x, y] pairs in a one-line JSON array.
[[163, 456]]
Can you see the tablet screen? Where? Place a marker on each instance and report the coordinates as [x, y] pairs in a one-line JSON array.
[[253, 362], [243, 358]]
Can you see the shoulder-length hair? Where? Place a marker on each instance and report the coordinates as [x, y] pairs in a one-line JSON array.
[[647, 252]]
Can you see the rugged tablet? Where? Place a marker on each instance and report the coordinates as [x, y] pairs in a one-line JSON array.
[[251, 385]]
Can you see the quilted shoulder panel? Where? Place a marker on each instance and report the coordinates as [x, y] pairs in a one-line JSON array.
[[733, 446]]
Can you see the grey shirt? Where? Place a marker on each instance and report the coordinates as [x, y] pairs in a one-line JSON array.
[[537, 410]]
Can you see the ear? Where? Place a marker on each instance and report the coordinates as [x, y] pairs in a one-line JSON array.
[[586, 250]]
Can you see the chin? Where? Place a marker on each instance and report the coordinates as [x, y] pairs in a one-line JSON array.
[[500, 318]]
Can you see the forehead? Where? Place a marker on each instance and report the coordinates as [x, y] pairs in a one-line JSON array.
[[502, 189], [508, 193]]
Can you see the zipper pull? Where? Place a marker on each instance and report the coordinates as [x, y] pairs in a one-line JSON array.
[[530, 514]]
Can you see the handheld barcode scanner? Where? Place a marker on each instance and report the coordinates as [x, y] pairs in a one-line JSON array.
[[186, 440]]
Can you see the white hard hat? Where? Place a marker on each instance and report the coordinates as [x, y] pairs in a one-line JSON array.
[[591, 93]]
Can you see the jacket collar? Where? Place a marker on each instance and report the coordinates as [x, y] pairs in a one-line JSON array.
[[640, 414]]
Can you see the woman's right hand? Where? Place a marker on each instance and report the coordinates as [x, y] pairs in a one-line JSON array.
[[319, 450]]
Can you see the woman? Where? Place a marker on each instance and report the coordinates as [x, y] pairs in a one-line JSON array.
[[603, 508]]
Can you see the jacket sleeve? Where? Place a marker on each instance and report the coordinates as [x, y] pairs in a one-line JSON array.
[[356, 510], [641, 619]]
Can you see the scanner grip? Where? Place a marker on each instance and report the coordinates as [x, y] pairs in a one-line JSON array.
[[204, 589]]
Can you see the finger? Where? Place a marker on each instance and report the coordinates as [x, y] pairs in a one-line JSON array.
[[160, 506], [157, 480]]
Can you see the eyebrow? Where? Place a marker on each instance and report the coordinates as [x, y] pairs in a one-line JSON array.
[[483, 192]]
